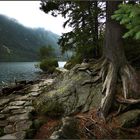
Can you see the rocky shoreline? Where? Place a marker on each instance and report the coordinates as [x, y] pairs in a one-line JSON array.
[[16, 107]]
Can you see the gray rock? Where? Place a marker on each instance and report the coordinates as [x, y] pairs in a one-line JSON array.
[[20, 135], [35, 94], [17, 118], [71, 94], [23, 125], [17, 103], [56, 135], [29, 108], [31, 98], [61, 70], [18, 111], [129, 119], [4, 101], [14, 107], [28, 103], [22, 98], [8, 137], [3, 123], [46, 82], [2, 116], [8, 108], [9, 129], [5, 110], [35, 88]]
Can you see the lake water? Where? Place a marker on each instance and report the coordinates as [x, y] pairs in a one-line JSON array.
[[20, 71], [61, 64]]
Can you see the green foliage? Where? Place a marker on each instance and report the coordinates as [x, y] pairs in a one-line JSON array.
[[129, 15], [132, 51], [47, 52], [48, 61], [76, 59], [82, 52], [53, 109], [82, 16], [48, 65]]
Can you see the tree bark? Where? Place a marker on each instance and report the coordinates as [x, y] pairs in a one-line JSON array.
[[114, 53], [96, 29], [113, 45]]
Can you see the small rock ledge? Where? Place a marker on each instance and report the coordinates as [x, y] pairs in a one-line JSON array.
[[15, 110]]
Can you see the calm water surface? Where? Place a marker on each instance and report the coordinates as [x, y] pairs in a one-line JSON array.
[[20, 71], [17, 70], [61, 64]]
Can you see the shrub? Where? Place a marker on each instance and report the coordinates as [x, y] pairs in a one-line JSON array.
[[76, 59], [48, 65]]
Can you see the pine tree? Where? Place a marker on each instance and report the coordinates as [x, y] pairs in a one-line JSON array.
[[113, 66], [130, 18]]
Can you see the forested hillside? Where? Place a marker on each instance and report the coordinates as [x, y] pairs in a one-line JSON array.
[[19, 43]]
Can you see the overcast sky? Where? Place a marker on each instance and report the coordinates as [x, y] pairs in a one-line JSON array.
[[29, 14]]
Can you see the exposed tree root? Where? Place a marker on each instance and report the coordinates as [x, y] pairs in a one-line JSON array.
[[128, 101], [129, 82], [127, 74], [108, 90], [116, 113], [106, 72], [95, 80]]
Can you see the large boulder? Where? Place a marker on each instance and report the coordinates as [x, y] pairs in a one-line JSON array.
[[129, 119], [68, 130], [70, 95]]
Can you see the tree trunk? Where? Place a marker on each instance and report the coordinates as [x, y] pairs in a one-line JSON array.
[[114, 65], [113, 46], [94, 25], [117, 65], [114, 53], [96, 29]]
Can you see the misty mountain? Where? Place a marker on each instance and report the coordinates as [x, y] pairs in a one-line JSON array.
[[20, 43]]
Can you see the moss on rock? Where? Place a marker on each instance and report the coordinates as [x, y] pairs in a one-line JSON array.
[[69, 95], [1, 131], [129, 119]]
